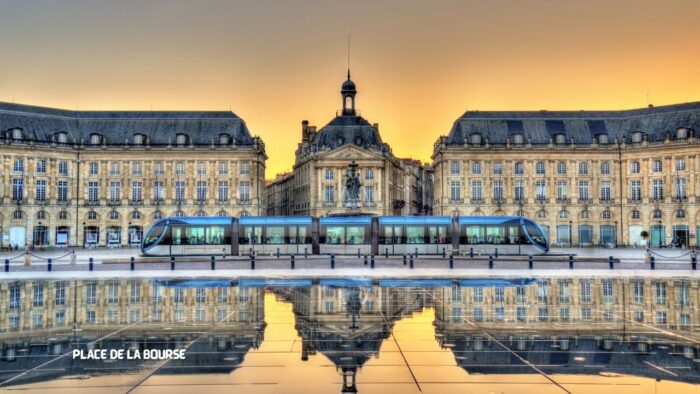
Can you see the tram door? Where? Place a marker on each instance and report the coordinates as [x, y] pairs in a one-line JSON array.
[[252, 236], [393, 236]]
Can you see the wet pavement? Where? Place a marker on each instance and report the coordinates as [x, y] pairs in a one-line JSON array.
[[329, 335]]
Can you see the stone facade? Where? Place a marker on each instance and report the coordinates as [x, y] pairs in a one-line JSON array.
[[587, 177], [101, 178], [390, 186]]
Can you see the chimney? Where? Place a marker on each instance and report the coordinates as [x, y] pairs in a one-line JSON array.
[[376, 126], [304, 129]]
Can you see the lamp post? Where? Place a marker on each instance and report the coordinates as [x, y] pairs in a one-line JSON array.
[[615, 232], [571, 240]]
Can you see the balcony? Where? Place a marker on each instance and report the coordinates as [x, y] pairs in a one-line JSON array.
[[114, 203], [606, 201], [584, 200], [41, 202], [562, 200], [135, 203], [370, 204], [92, 203], [541, 200], [328, 204], [476, 200], [63, 202], [223, 202], [519, 201], [498, 201], [634, 200], [456, 201], [244, 202]]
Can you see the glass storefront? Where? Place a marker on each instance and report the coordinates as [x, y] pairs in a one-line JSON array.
[[658, 236], [585, 235], [563, 235], [607, 235]]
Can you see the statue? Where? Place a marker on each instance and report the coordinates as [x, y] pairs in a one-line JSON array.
[[352, 187]]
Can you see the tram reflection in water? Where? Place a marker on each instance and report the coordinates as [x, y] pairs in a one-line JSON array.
[[392, 235]]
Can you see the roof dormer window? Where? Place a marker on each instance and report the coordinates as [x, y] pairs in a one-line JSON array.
[[517, 139], [475, 139], [181, 139], [62, 137], [602, 139], [95, 139], [139, 139], [224, 139], [681, 133], [637, 137], [17, 134], [560, 139]]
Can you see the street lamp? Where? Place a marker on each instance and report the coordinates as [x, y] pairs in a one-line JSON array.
[[570, 234], [615, 232]]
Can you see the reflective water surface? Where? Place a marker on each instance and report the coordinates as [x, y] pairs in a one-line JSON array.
[[546, 335]]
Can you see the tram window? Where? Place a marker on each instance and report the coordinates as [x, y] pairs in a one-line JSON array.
[[513, 234], [251, 235], [495, 234], [154, 234], [475, 235], [414, 234], [535, 233], [292, 239], [397, 235], [335, 235], [215, 235], [438, 235], [356, 235], [385, 235], [194, 236], [303, 235], [177, 235], [274, 235]]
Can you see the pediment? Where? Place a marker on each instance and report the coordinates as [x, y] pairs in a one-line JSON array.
[[350, 152]]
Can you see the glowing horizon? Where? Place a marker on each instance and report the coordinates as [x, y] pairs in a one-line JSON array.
[[418, 66]]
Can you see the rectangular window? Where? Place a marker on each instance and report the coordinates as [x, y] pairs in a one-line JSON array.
[[180, 191], [636, 190], [245, 168], [201, 168], [114, 168], [519, 191], [41, 190], [681, 192], [477, 194], [476, 168], [541, 190], [454, 168], [93, 191], [498, 168], [41, 166], [158, 168], [223, 168], [498, 190], [63, 168], [201, 191], [638, 291], [369, 175], [562, 190], [521, 313], [158, 191], [605, 191], [93, 168], [223, 191], [329, 195], [62, 191], [564, 314], [607, 290], [564, 291], [500, 293], [179, 168], [660, 293], [680, 164], [478, 294], [91, 293], [244, 189], [455, 191], [583, 191], [683, 294], [539, 168], [115, 191], [38, 294], [329, 174], [18, 166], [369, 194], [657, 189], [136, 168], [17, 189], [585, 291], [136, 192]]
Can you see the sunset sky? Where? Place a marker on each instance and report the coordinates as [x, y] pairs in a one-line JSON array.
[[418, 65]]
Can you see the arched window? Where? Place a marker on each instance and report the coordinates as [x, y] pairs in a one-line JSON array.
[[41, 215], [606, 214], [17, 215], [62, 137], [637, 137], [19, 165], [657, 214], [136, 215], [519, 168], [181, 139], [540, 168], [520, 212], [114, 215], [224, 139], [585, 214], [636, 214], [157, 215], [92, 215], [563, 215], [222, 214], [179, 214], [63, 215], [95, 139], [518, 139], [602, 139], [680, 214], [243, 214], [560, 139], [657, 166], [475, 139], [561, 168], [17, 134], [681, 133], [200, 213], [605, 168], [139, 139], [541, 214], [635, 167]]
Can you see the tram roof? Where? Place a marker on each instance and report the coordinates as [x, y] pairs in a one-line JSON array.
[[266, 220], [206, 220], [489, 219], [415, 219], [346, 219]]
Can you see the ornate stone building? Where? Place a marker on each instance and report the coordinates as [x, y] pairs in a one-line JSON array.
[[100, 178], [390, 186], [589, 177]]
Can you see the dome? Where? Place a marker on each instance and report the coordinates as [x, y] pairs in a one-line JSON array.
[[348, 86]]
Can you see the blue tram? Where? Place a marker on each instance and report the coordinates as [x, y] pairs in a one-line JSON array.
[[392, 235]]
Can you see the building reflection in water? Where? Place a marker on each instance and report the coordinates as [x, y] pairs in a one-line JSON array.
[[641, 327]]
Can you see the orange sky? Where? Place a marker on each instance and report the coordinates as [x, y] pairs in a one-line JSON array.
[[418, 65]]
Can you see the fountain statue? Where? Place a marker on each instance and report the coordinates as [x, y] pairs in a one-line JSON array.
[[351, 192]]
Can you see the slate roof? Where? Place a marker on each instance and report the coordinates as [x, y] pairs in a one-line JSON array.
[[344, 130], [40, 124], [582, 126]]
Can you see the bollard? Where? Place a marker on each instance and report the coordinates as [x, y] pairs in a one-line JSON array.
[[365, 259], [132, 264], [571, 261], [27, 259], [333, 262], [252, 262], [72, 258], [306, 253], [410, 261], [529, 262], [358, 253], [386, 253], [443, 253], [278, 253], [7, 265], [292, 262], [693, 260], [372, 265], [452, 262], [92, 264], [213, 263], [416, 252], [172, 263], [652, 262], [611, 262], [371, 259], [404, 259], [48, 266], [491, 261], [496, 252], [471, 253]]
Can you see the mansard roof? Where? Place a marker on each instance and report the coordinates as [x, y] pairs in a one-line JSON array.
[[582, 126], [344, 130], [160, 127]]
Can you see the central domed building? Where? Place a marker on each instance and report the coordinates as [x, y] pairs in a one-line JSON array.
[[316, 186]]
